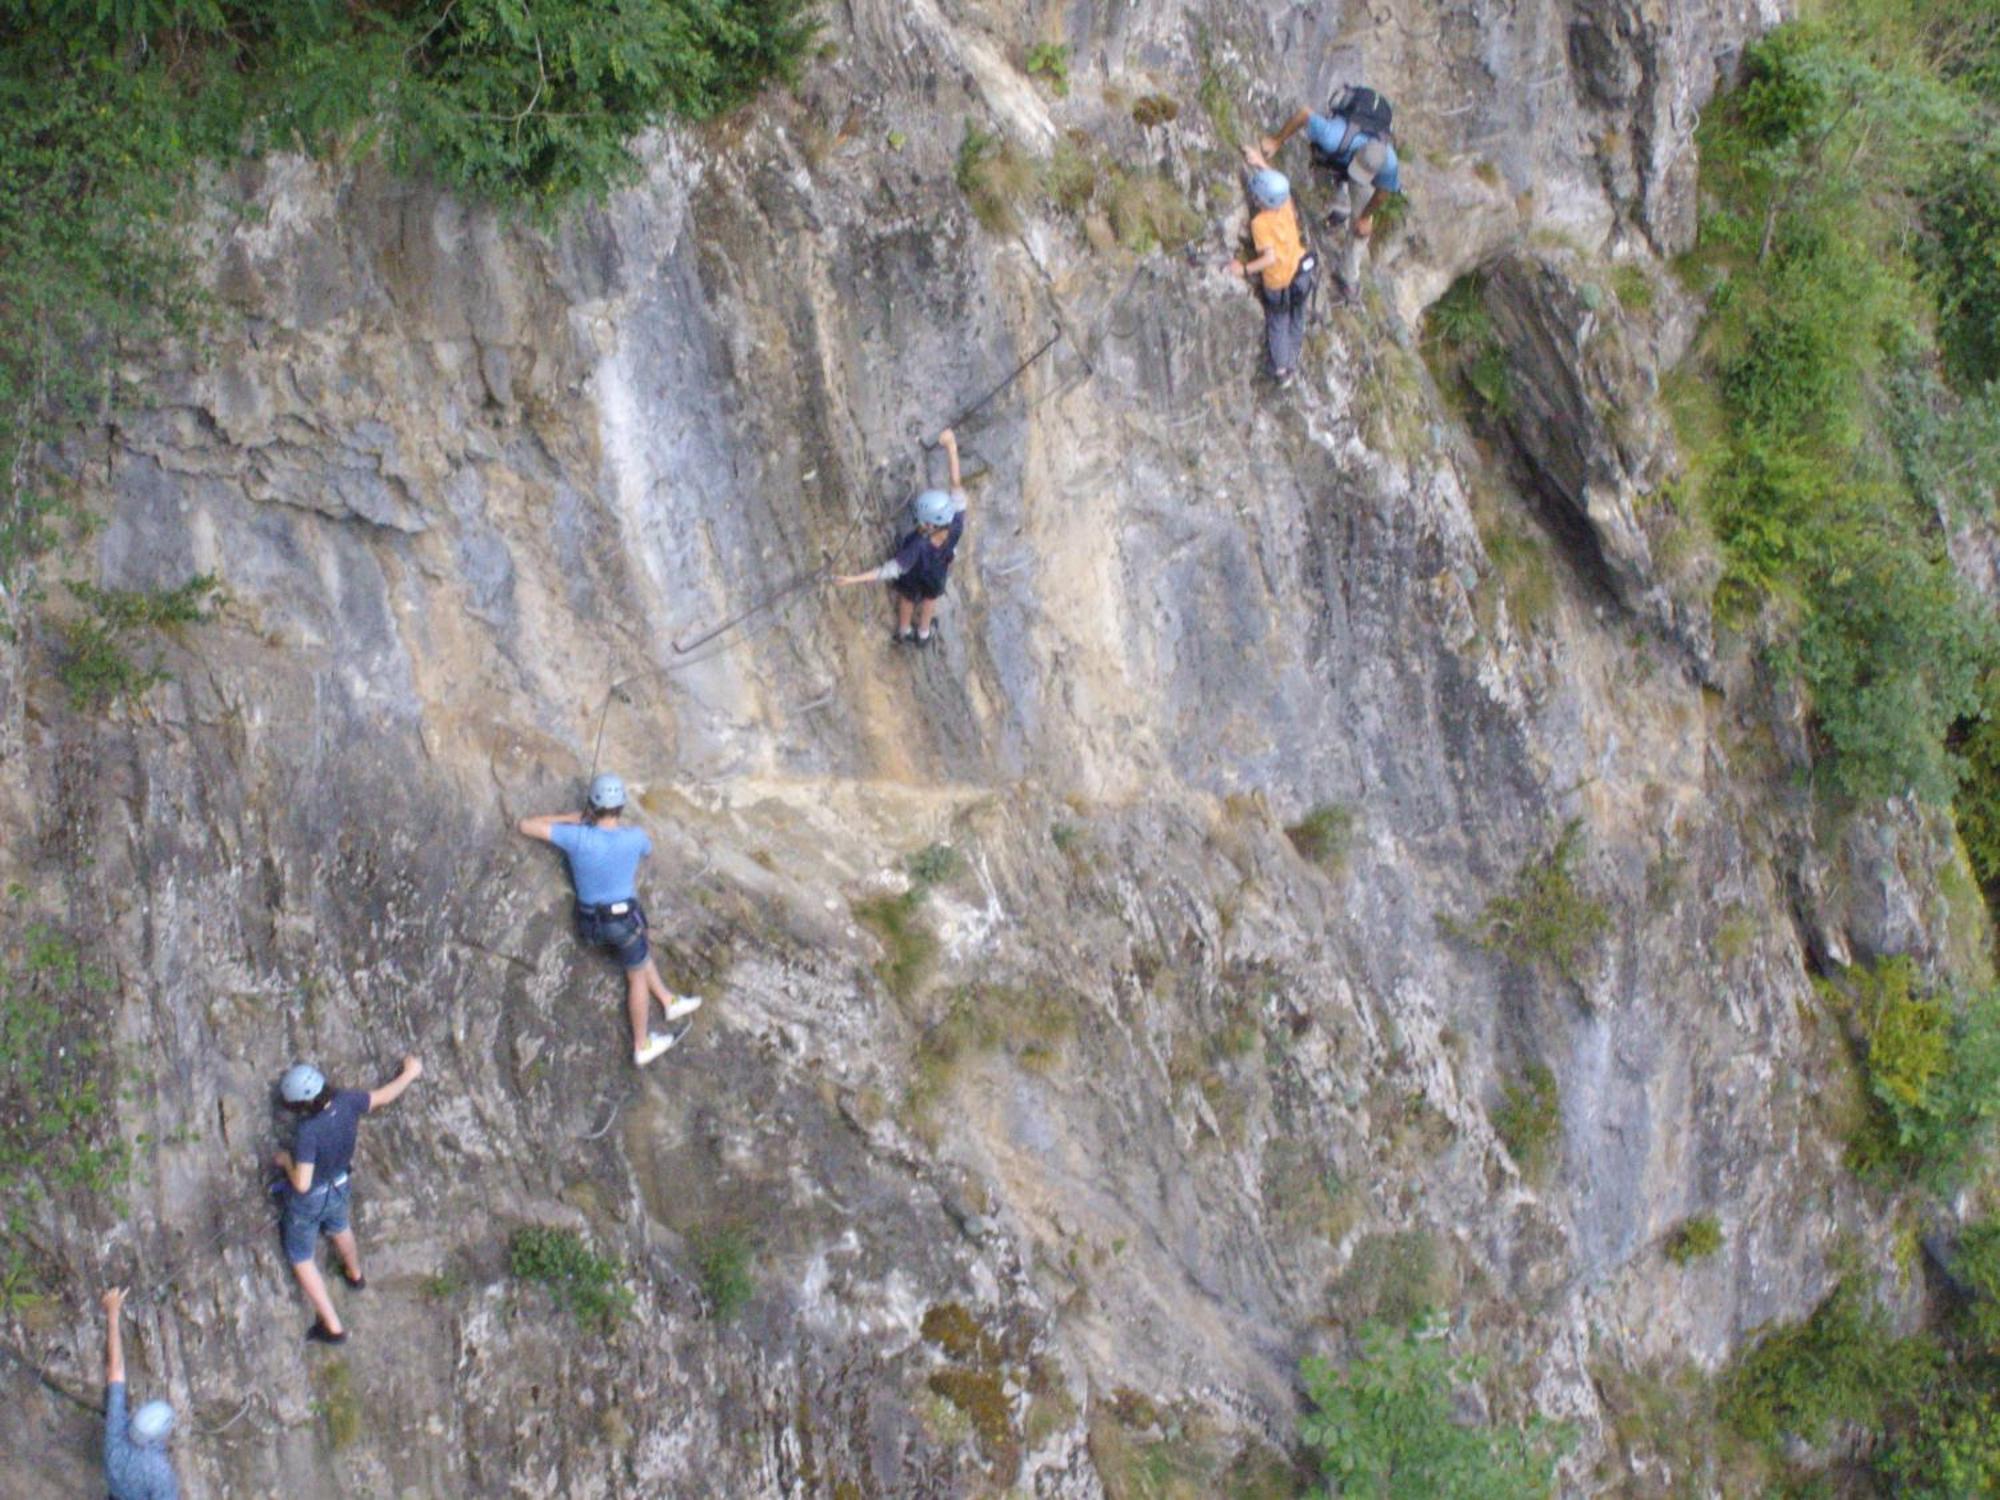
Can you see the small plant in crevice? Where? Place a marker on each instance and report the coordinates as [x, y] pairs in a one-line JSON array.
[[1694, 1239], [1152, 110], [1324, 836], [1529, 1120], [1545, 917], [1049, 61], [723, 1259], [910, 947], [589, 1286], [996, 176], [1463, 348], [96, 665], [935, 864]]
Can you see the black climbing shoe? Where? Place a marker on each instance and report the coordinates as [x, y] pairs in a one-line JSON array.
[[924, 640], [1283, 378], [1340, 294], [319, 1333], [354, 1283], [902, 638]]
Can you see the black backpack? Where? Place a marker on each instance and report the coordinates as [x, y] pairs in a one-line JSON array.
[[1367, 113]]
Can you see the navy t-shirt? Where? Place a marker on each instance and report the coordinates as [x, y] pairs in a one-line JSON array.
[[925, 565], [327, 1139]]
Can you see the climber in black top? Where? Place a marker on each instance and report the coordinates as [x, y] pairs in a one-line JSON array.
[[923, 557]]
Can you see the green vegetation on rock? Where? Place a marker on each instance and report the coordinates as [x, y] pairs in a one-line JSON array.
[[1694, 1239], [1545, 916], [723, 1257], [589, 1285], [1386, 1426], [1853, 210], [1529, 1121], [1324, 836], [1931, 1063]]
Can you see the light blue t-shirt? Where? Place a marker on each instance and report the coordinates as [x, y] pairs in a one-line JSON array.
[[604, 862], [132, 1471], [1376, 158]]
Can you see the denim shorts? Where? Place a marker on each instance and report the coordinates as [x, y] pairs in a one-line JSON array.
[[623, 934], [321, 1209]]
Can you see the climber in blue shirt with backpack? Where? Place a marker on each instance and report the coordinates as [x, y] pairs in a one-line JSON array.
[[1353, 142]]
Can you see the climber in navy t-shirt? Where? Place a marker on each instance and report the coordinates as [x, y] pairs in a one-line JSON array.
[[604, 853], [314, 1195], [922, 563]]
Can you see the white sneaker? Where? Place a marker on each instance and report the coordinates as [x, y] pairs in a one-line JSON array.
[[655, 1045], [684, 1005]]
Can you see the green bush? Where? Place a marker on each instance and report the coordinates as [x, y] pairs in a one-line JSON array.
[[96, 666], [1931, 1063], [1694, 1239], [935, 864], [1545, 916], [589, 1285], [1961, 258], [1324, 836], [1386, 1427], [722, 1258], [1840, 1365], [1977, 805], [1975, 1262], [1529, 1121]]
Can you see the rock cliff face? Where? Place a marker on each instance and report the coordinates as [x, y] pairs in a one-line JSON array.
[[1174, 1105]]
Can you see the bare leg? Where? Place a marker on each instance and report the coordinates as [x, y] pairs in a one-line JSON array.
[[315, 1290], [656, 986], [637, 999], [925, 612], [903, 611], [349, 1253]]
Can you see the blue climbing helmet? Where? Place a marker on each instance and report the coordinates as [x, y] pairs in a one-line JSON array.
[[151, 1423], [301, 1084], [933, 508], [1270, 188], [607, 793]]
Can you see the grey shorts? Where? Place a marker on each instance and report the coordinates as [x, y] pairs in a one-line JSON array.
[[321, 1209]]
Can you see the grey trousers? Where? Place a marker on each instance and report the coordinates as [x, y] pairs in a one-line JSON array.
[[1347, 198], [1285, 318]]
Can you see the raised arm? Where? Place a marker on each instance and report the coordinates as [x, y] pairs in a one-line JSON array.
[[948, 440], [1272, 143], [390, 1092], [538, 828], [114, 1348]]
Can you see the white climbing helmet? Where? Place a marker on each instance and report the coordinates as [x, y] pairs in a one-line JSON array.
[[933, 508], [301, 1084], [151, 1423], [1270, 187]]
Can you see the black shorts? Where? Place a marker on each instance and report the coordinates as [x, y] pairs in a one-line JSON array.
[[913, 588], [621, 933]]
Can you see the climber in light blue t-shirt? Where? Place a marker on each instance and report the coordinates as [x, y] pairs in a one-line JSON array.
[[1352, 143], [136, 1466], [604, 854]]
